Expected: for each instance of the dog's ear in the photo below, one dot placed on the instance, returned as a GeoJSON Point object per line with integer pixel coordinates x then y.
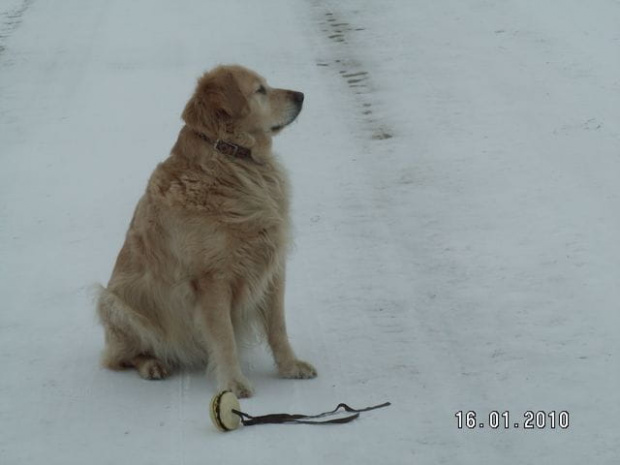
{"type": "Point", "coordinates": [216, 104]}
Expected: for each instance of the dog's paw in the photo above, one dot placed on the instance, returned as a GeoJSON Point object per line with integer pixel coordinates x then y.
{"type": "Point", "coordinates": [152, 369]}
{"type": "Point", "coordinates": [297, 369]}
{"type": "Point", "coordinates": [240, 387]}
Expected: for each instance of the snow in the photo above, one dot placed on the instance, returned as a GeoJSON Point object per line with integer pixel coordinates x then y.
{"type": "Point", "coordinates": [456, 212]}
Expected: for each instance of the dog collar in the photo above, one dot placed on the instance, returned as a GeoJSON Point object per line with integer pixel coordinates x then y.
{"type": "Point", "coordinates": [227, 148]}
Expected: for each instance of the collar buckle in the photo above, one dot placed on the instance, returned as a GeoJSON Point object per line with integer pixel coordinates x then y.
{"type": "Point", "coordinates": [226, 148]}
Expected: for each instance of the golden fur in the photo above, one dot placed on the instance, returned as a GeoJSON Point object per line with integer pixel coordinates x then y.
{"type": "Point", "coordinates": [205, 252]}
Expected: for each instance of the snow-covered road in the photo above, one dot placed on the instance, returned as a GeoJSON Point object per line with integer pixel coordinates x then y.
{"type": "Point", "coordinates": [456, 208]}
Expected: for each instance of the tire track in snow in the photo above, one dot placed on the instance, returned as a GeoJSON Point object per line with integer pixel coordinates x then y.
{"type": "Point", "coordinates": [388, 320]}
{"type": "Point", "coordinates": [388, 311]}
{"type": "Point", "coordinates": [350, 68]}
{"type": "Point", "coordinates": [9, 22]}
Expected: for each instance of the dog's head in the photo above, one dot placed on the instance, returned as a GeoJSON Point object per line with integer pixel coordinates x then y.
{"type": "Point", "coordinates": [232, 100]}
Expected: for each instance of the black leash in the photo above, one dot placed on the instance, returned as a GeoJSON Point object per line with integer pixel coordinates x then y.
{"type": "Point", "coordinates": [249, 420]}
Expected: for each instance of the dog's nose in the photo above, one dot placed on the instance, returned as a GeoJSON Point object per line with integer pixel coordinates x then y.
{"type": "Point", "coordinates": [297, 97]}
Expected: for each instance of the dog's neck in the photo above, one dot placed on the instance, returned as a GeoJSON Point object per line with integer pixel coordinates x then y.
{"type": "Point", "coordinates": [251, 149]}
{"type": "Point", "coordinates": [227, 148]}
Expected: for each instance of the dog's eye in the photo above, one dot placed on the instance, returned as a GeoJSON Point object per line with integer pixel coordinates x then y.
{"type": "Point", "coordinates": [262, 90]}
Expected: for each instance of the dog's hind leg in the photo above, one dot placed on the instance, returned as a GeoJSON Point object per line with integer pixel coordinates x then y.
{"type": "Point", "coordinates": [150, 367]}
{"type": "Point", "coordinates": [121, 353]}
{"type": "Point", "coordinates": [124, 347]}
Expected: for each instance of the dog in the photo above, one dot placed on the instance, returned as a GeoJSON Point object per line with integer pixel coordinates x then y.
{"type": "Point", "coordinates": [204, 257]}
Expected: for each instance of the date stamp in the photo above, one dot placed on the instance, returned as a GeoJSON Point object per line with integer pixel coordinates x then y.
{"type": "Point", "coordinates": [529, 420]}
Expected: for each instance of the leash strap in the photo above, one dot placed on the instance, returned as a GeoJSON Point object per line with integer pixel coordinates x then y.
{"type": "Point", "coordinates": [249, 420]}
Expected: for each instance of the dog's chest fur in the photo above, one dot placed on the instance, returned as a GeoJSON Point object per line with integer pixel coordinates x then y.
{"type": "Point", "coordinates": [228, 218]}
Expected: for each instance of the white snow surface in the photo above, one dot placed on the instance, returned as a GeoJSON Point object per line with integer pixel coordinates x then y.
{"type": "Point", "coordinates": [456, 207]}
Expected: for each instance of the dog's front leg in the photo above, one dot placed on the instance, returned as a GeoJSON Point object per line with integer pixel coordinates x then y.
{"type": "Point", "coordinates": [289, 366]}
{"type": "Point", "coordinates": [214, 301]}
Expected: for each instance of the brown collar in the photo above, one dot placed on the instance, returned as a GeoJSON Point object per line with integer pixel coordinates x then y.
{"type": "Point", "coordinates": [228, 148]}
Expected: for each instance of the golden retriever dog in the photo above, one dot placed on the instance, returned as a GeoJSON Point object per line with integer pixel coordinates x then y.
{"type": "Point", "coordinates": [205, 253]}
